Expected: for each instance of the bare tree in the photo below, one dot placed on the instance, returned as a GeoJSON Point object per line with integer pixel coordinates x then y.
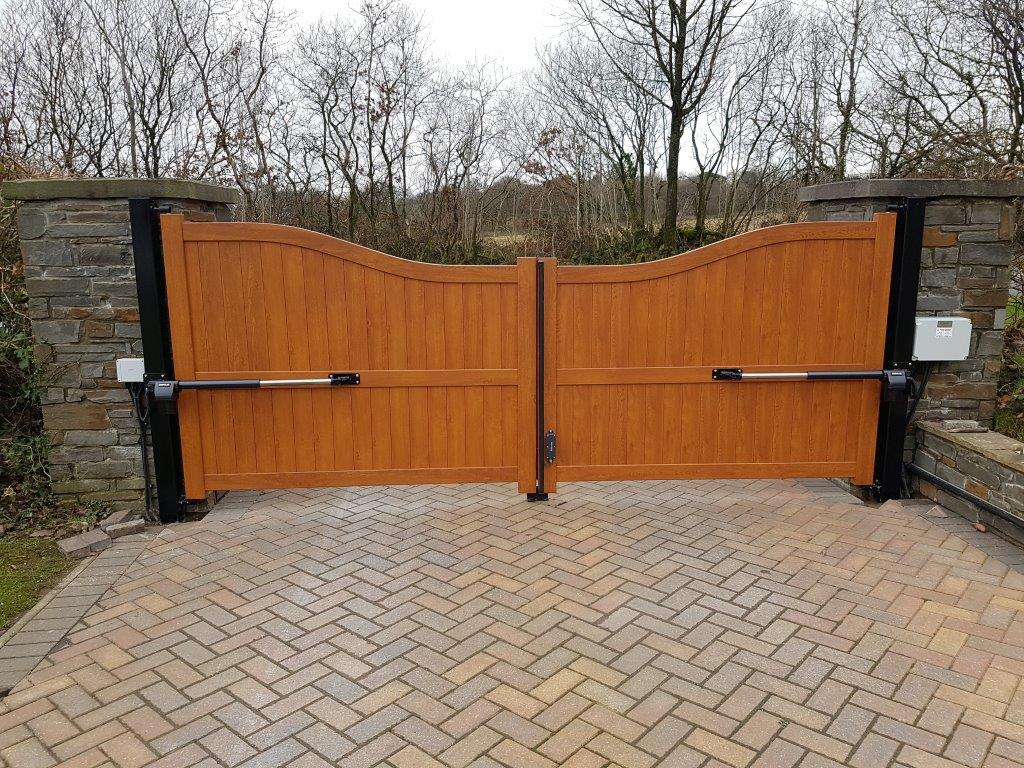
{"type": "Point", "coordinates": [737, 137]}
{"type": "Point", "coordinates": [67, 88]}
{"type": "Point", "coordinates": [350, 126]}
{"type": "Point", "coordinates": [587, 95]}
{"type": "Point", "coordinates": [962, 67]}
{"type": "Point", "coordinates": [235, 59]}
{"type": "Point", "coordinates": [682, 40]}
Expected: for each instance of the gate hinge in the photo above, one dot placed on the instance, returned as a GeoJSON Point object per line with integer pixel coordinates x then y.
{"type": "Point", "coordinates": [550, 445]}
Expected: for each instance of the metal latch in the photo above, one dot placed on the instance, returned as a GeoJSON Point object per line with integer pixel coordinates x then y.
{"type": "Point", "coordinates": [550, 446]}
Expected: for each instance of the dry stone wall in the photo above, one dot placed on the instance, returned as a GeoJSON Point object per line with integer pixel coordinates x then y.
{"type": "Point", "coordinates": [80, 277]}
{"type": "Point", "coordinates": [965, 271]}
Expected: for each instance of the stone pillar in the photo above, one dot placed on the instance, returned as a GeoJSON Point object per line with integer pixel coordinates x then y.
{"type": "Point", "coordinates": [969, 228]}
{"type": "Point", "coordinates": [80, 277]}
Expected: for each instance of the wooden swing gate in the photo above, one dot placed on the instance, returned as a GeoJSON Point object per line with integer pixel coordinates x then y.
{"type": "Point", "coordinates": [302, 360]}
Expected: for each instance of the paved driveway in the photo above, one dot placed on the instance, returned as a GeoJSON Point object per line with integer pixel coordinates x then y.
{"type": "Point", "coordinates": [627, 624]}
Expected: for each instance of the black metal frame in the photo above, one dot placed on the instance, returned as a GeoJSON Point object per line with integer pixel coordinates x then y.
{"type": "Point", "coordinates": [899, 344]}
{"type": "Point", "coordinates": [540, 494]}
{"type": "Point", "coordinates": [166, 439]}
{"type": "Point", "coordinates": [156, 350]}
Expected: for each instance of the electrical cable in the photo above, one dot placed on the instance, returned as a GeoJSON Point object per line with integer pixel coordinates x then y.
{"type": "Point", "coordinates": [919, 389]}
{"type": "Point", "coordinates": [140, 403]}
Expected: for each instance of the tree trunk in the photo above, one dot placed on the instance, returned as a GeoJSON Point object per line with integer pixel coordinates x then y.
{"type": "Point", "coordinates": [668, 228]}
{"type": "Point", "coordinates": [701, 199]}
{"type": "Point", "coordinates": [641, 176]}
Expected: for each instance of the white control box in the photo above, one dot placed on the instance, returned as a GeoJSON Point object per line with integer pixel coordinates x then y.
{"type": "Point", "coordinates": [131, 369]}
{"type": "Point", "coordinates": [942, 338]}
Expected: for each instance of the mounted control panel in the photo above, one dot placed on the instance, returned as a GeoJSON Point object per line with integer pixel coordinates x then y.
{"type": "Point", "coordinates": [131, 370]}
{"type": "Point", "coordinates": [942, 338]}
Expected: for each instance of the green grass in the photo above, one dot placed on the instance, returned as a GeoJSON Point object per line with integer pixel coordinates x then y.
{"type": "Point", "coordinates": [1009, 417]}
{"type": "Point", "coordinates": [28, 568]}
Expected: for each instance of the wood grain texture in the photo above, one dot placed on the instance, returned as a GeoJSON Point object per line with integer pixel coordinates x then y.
{"type": "Point", "coordinates": [448, 359]}
{"type": "Point", "coordinates": [438, 349]}
{"type": "Point", "coordinates": [635, 346]}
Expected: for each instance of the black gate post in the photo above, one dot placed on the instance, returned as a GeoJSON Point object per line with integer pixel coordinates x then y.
{"type": "Point", "coordinates": [899, 344]}
{"type": "Point", "coordinates": [541, 493]}
{"type": "Point", "coordinates": [156, 346]}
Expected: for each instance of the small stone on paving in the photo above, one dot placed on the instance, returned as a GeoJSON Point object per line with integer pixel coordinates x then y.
{"type": "Point", "coordinates": [126, 528]}
{"type": "Point", "coordinates": [116, 517]}
{"type": "Point", "coordinates": [84, 544]}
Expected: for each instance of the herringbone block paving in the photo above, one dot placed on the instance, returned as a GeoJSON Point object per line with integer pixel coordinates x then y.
{"type": "Point", "coordinates": [742, 623]}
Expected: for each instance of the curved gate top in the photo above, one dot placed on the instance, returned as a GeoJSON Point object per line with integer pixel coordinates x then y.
{"type": "Point", "coordinates": [636, 346]}
{"type": "Point", "coordinates": [439, 351]}
{"type": "Point", "coordinates": [303, 360]}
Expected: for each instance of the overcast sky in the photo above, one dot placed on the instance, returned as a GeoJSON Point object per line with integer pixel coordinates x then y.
{"type": "Point", "coordinates": [461, 30]}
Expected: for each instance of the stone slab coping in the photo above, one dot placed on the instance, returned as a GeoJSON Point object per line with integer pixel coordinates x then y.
{"type": "Point", "coordinates": [852, 190]}
{"type": "Point", "coordinates": [101, 189]}
{"type": "Point", "coordinates": [992, 445]}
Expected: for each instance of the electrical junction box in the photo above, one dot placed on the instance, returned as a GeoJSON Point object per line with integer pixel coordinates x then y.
{"type": "Point", "coordinates": [131, 369]}
{"type": "Point", "coordinates": [942, 338]}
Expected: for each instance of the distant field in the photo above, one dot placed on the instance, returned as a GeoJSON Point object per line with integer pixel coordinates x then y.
{"type": "Point", "coordinates": [505, 240]}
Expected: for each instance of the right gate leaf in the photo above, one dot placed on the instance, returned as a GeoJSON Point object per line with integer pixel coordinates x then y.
{"type": "Point", "coordinates": [636, 345]}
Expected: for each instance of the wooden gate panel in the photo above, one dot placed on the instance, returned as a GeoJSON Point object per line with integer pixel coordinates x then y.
{"type": "Point", "coordinates": [636, 346]}
{"type": "Point", "coordinates": [448, 358]}
{"type": "Point", "coordinates": [437, 348]}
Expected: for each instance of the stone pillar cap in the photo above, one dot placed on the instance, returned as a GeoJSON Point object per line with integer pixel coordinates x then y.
{"type": "Point", "coordinates": [100, 189]}
{"type": "Point", "coordinates": [875, 188]}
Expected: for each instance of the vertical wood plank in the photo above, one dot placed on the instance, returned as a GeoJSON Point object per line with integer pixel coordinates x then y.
{"type": "Point", "coordinates": [317, 323]}
{"type": "Point", "coordinates": [180, 315]}
{"type": "Point", "coordinates": [278, 344]}
{"type": "Point", "coordinates": [259, 355]}
{"type": "Point", "coordinates": [416, 320]}
{"type": "Point", "coordinates": [238, 406]}
{"type": "Point", "coordinates": [338, 359]}
{"type": "Point", "coordinates": [293, 268]}
{"type": "Point", "coordinates": [211, 262]}
{"type": "Point", "coordinates": [884, 245]}
{"type": "Point", "coordinates": [397, 358]}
